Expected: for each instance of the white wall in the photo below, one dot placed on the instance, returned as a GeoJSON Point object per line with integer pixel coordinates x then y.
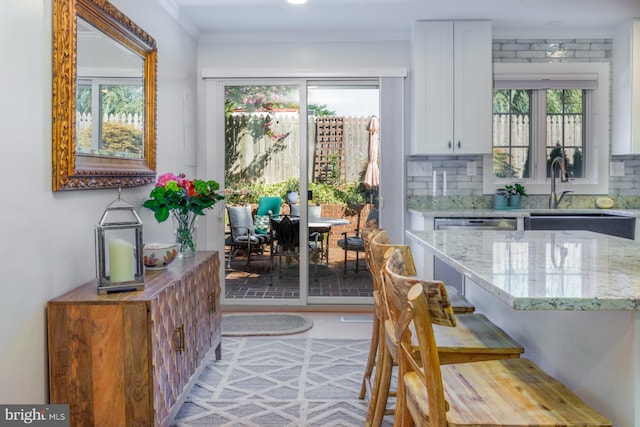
{"type": "Point", "coordinates": [295, 53]}
{"type": "Point", "coordinates": [47, 238]}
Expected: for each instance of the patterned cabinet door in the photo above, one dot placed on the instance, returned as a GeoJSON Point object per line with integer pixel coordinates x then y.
{"type": "Point", "coordinates": [165, 342]}
{"type": "Point", "coordinates": [208, 306]}
{"type": "Point", "coordinates": [189, 313]}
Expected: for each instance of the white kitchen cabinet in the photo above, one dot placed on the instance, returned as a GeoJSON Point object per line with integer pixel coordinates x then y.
{"type": "Point", "coordinates": [453, 86]}
{"type": "Point", "coordinates": [626, 89]}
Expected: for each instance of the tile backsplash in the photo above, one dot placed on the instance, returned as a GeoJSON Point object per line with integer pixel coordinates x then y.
{"type": "Point", "coordinates": [465, 192]}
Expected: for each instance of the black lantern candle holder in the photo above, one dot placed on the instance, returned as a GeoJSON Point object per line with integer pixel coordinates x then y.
{"type": "Point", "coordinates": [119, 257]}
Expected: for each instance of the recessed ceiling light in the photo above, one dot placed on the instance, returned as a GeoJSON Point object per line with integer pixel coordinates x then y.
{"type": "Point", "coordinates": [296, 1]}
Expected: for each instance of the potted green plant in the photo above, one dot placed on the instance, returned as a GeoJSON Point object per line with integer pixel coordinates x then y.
{"type": "Point", "coordinates": [515, 193]}
{"type": "Point", "coordinates": [501, 199]}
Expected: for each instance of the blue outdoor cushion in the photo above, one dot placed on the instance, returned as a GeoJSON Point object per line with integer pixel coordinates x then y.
{"type": "Point", "coordinates": [266, 204]}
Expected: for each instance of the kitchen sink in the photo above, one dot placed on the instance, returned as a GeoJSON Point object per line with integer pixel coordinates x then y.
{"type": "Point", "coordinates": [613, 225]}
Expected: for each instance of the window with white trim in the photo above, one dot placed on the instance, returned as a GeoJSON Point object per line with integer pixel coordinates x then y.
{"type": "Point", "coordinates": [542, 111]}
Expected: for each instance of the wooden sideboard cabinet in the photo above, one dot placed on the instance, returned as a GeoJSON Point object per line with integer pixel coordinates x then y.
{"type": "Point", "coordinates": [127, 359]}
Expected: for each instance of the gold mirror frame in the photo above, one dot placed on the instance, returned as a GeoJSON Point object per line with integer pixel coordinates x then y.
{"type": "Point", "coordinates": [75, 171]}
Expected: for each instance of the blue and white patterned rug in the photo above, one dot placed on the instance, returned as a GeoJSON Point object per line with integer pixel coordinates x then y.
{"type": "Point", "coordinates": [263, 382]}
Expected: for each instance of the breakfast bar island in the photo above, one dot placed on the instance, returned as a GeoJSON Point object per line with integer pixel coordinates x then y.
{"type": "Point", "coordinates": [571, 298]}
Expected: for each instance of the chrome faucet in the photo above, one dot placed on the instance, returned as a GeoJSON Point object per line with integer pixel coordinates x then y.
{"type": "Point", "coordinates": [554, 199]}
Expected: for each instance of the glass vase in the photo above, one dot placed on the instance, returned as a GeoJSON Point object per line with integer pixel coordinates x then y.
{"type": "Point", "coordinates": [185, 229]}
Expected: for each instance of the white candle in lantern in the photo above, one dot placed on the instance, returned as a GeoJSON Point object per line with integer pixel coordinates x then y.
{"type": "Point", "coordinates": [120, 261]}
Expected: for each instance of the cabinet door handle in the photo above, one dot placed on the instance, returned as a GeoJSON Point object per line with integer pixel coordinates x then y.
{"type": "Point", "coordinates": [212, 302]}
{"type": "Point", "coordinates": [449, 145]}
{"type": "Point", "coordinates": [459, 145]}
{"type": "Point", "coordinates": [179, 333]}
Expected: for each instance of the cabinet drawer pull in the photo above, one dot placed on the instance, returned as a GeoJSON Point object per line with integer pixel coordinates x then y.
{"type": "Point", "coordinates": [212, 302]}
{"type": "Point", "coordinates": [179, 333]}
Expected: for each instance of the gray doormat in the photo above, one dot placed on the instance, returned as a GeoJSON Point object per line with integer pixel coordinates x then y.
{"type": "Point", "coordinates": [264, 324]}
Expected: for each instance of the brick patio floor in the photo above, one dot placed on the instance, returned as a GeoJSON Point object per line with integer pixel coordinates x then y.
{"type": "Point", "coordinates": [325, 281]}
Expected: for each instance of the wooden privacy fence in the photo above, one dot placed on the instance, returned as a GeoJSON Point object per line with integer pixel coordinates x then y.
{"type": "Point", "coordinates": [514, 130]}
{"type": "Point", "coordinates": [285, 163]}
{"type": "Point", "coordinates": [84, 120]}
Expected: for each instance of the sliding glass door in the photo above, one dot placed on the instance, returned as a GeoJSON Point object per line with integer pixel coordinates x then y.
{"type": "Point", "coordinates": [262, 150]}
{"type": "Point", "coordinates": [301, 178]}
{"type": "Point", "coordinates": [343, 176]}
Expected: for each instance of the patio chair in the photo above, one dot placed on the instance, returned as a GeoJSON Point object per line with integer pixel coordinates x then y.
{"type": "Point", "coordinates": [353, 241]}
{"type": "Point", "coordinates": [242, 236]}
{"type": "Point", "coordinates": [266, 205]}
{"type": "Point", "coordinates": [318, 236]}
{"type": "Point", "coordinates": [285, 241]}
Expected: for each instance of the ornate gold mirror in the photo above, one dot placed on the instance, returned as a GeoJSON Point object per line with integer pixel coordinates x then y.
{"type": "Point", "coordinates": [104, 98]}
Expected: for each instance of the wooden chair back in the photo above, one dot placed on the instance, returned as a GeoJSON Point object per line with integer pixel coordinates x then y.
{"type": "Point", "coordinates": [421, 303]}
{"type": "Point", "coordinates": [367, 237]}
{"type": "Point", "coordinates": [381, 249]}
{"type": "Point", "coordinates": [419, 309]}
{"type": "Point", "coordinates": [397, 286]}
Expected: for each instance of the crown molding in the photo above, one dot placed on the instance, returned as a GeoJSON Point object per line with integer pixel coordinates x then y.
{"type": "Point", "coordinates": [328, 36]}
{"type": "Point", "coordinates": [176, 13]}
{"type": "Point", "coordinates": [315, 73]}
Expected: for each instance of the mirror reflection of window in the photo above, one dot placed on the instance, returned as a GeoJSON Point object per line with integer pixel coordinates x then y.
{"type": "Point", "coordinates": [119, 107]}
{"type": "Point", "coordinates": [109, 97]}
{"type": "Point", "coordinates": [83, 117]}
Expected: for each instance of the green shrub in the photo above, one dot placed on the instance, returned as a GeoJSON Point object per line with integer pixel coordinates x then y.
{"type": "Point", "coordinates": [247, 192]}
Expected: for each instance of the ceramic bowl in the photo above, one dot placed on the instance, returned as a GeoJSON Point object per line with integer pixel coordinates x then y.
{"type": "Point", "coordinates": [157, 256]}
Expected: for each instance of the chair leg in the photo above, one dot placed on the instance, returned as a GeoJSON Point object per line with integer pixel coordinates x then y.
{"type": "Point", "coordinates": [371, 360]}
{"type": "Point", "coordinates": [357, 261]}
{"type": "Point", "coordinates": [233, 251]}
{"type": "Point", "coordinates": [327, 250]}
{"type": "Point", "coordinates": [271, 259]}
{"type": "Point", "coordinates": [381, 385]}
{"type": "Point", "coordinates": [402, 416]}
{"type": "Point", "coordinates": [344, 272]}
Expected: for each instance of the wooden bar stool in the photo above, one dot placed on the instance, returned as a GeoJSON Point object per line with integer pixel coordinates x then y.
{"type": "Point", "coordinates": [460, 304]}
{"type": "Point", "coordinates": [373, 345]}
{"type": "Point", "coordinates": [507, 392]}
{"type": "Point", "coordinates": [475, 338]}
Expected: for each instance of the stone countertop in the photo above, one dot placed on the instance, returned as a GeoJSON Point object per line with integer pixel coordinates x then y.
{"type": "Point", "coordinates": [519, 213]}
{"type": "Point", "coordinates": [544, 270]}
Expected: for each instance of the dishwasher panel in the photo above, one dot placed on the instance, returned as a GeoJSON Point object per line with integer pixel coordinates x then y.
{"type": "Point", "coordinates": [481, 223]}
